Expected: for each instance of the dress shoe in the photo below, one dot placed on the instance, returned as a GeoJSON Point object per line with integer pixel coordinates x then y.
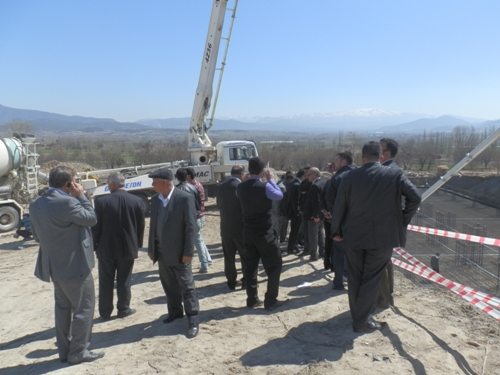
{"type": "Point", "coordinates": [275, 305]}
{"type": "Point", "coordinates": [303, 254]}
{"type": "Point", "coordinates": [192, 331]}
{"type": "Point", "coordinates": [257, 303]}
{"type": "Point", "coordinates": [171, 318]}
{"type": "Point", "coordinates": [231, 286]}
{"type": "Point", "coordinates": [124, 314]}
{"type": "Point", "coordinates": [338, 288]}
{"type": "Point", "coordinates": [90, 358]}
{"type": "Point", "coordinates": [370, 326]}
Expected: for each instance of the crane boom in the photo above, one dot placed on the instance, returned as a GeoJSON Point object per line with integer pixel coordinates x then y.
{"type": "Point", "coordinates": [199, 144]}
{"type": "Point", "coordinates": [462, 163]}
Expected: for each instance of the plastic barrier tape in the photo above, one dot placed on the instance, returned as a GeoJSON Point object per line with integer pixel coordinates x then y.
{"type": "Point", "coordinates": [437, 278]}
{"type": "Point", "coordinates": [455, 287]}
{"type": "Point", "coordinates": [455, 235]}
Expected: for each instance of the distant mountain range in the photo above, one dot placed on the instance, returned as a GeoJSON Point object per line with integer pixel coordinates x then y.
{"type": "Point", "coordinates": [362, 120]}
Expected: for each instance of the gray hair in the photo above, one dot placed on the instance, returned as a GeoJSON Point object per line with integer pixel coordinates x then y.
{"type": "Point", "coordinates": [117, 178]}
{"type": "Point", "coordinates": [315, 171]}
{"type": "Point", "coordinates": [59, 176]}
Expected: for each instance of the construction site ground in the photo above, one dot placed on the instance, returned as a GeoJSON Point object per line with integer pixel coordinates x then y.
{"type": "Point", "coordinates": [430, 331]}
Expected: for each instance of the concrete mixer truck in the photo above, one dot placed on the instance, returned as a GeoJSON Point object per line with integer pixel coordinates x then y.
{"type": "Point", "coordinates": [19, 177]}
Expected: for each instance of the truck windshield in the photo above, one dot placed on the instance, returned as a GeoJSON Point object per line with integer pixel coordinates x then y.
{"type": "Point", "coordinates": [242, 153]}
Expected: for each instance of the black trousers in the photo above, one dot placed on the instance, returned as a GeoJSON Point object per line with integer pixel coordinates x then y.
{"type": "Point", "coordinates": [386, 298]}
{"type": "Point", "coordinates": [338, 263]}
{"type": "Point", "coordinates": [304, 229]}
{"type": "Point", "coordinates": [365, 271]}
{"type": "Point", "coordinates": [24, 233]}
{"type": "Point", "coordinates": [283, 227]}
{"type": "Point", "coordinates": [328, 259]}
{"type": "Point", "coordinates": [108, 270]}
{"type": "Point", "coordinates": [262, 246]}
{"type": "Point", "coordinates": [293, 237]}
{"type": "Point", "coordinates": [231, 246]}
{"type": "Point", "coordinates": [178, 284]}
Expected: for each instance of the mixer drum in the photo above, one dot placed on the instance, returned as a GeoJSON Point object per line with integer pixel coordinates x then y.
{"type": "Point", "coordinates": [11, 154]}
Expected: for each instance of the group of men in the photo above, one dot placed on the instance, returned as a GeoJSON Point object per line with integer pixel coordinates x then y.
{"type": "Point", "coordinates": [360, 209]}
{"type": "Point", "coordinates": [363, 212]}
{"type": "Point", "coordinates": [69, 230]}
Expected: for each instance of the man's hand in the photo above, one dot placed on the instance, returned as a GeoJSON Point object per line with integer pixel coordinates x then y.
{"type": "Point", "coordinates": [268, 175]}
{"type": "Point", "coordinates": [186, 259]}
{"type": "Point", "coordinates": [150, 256]}
{"type": "Point", "coordinates": [316, 219]}
{"type": "Point", "coordinates": [75, 189]}
{"type": "Point", "coordinates": [326, 214]}
{"type": "Point", "coordinates": [337, 239]}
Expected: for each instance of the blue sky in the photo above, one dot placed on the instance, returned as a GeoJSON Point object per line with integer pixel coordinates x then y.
{"type": "Point", "coordinates": [130, 60]}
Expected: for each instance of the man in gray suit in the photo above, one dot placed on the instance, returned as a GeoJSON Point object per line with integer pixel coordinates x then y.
{"type": "Point", "coordinates": [172, 233]}
{"type": "Point", "coordinates": [61, 221]}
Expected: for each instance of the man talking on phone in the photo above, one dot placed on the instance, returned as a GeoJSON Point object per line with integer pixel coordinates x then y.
{"type": "Point", "coordinates": [61, 221]}
{"type": "Point", "coordinates": [259, 237]}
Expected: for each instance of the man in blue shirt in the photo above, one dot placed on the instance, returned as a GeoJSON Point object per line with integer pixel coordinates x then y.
{"type": "Point", "coordinates": [25, 233]}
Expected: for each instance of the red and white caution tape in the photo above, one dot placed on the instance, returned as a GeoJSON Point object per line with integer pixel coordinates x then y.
{"type": "Point", "coordinates": [453, 286]}
{"type": "Point", "coordinates": [439, 279]}
{"type": "Point", "coordinates": [456, 235]}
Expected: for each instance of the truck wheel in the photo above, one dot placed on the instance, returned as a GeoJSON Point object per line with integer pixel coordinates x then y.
{"type": "Point", "coordinates": [9, 218]}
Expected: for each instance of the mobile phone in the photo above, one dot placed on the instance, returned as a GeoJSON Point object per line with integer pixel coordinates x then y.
{"type": "Point", "coordinates": [68, 185]}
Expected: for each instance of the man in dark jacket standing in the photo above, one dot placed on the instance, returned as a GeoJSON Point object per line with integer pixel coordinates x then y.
{"type": "Point", "coordinates": [343, 164]}
{"type": "Point", "coordinates": [231, 226]}
{"type": "Point", "coordinates": [118, 236]}
{"type": "Point", "coordinates": [293, 213]}
{"type": "Point", "coordinates": [368, 217]}
{"type": "Point", "coordinates": [385, 299]}
{"type": "Point", "coordinates": [312, 212]}
{"type": "Point", "coordinates": [172, 234]}
{"type": "Point", "coordinates": [182, 176]}
{"type": "Point", "coordinates": [260, 239]}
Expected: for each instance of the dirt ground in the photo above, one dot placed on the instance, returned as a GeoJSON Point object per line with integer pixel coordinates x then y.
{"type": "Point", "coordinates": [431, 331]}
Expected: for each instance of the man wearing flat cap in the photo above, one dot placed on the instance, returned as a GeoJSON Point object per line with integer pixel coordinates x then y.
{"type": "Point", "coordinates": [172, 234]}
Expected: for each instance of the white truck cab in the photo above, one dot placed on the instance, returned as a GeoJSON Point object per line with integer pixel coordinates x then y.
{"type": "Point", "coordinates": [235, 152]}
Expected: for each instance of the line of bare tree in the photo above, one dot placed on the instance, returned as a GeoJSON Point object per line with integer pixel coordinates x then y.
{"type": "Point", "coordinates": [417, 152]}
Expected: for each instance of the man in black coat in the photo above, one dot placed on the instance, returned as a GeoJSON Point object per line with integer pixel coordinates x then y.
{"type": "Point", "coordinates": [368, 217]}
{"type": "Point", "coordinates": [305, 184]}
{"type": "Point", "coordinates": [260, 239]}
{"type": "Point", "coordinates": [312, 214]}
{"type": "Point", "coordinates": [343, 164]}
{"type": "Point", "coordinates": [385, 299]}
{"type": "Point", "coordinates": [231, 226]}
{"type": "Point", "coordinates": [182, 176]}
{"type": "Point", "coordinates": [172, 234]}
{"type": "Point", "coordinates": [118, 236]}
{"type": "Point", "coordinates": [389, 151]}
{"type": "Point", "coordinates": [293, 212]}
